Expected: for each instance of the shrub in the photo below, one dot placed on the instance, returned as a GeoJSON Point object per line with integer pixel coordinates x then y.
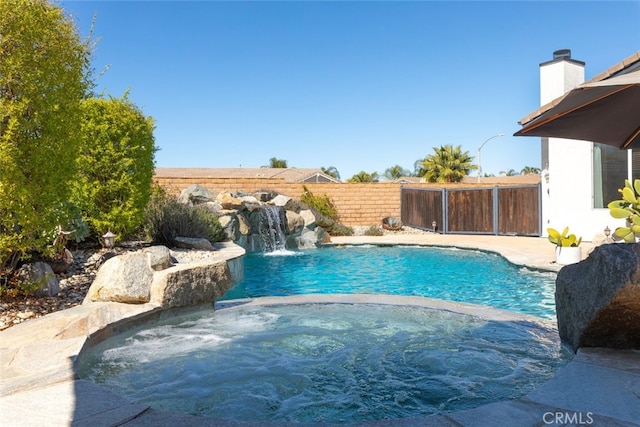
{"type": "Point", "coordinates": [323, 204]}
{"type": "Point", "coordinates": [166, 218]}
{"type": "Point", "coordinates": [326, 213]}
{"type": "Point", "coordinates": [115, 166]}
{"type": "Point", "coordinates": [334, 228]}
{"type": "Point", "coordinates": [340, 230]}
{"type": "Point", "coordinates": [374, 230]}
{"type": "Point", "coordinates": [44, 75]}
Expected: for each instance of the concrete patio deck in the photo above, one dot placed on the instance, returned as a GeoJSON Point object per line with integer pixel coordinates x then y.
{"type": "Point", "coordinates": [38, 386]}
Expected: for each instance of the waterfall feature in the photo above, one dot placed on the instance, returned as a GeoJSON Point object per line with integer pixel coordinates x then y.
{"type": "Point", "coordinates": [271, 228]}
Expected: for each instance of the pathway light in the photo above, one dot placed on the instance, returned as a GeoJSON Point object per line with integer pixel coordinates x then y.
{"type": "Point", "coordinates": [109, 239]}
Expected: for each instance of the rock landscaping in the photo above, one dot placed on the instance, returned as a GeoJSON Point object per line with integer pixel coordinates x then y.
{"type": "Point", "coordinates": [253, 221]}
{"type": "Point", "coordinates": [73, 286]}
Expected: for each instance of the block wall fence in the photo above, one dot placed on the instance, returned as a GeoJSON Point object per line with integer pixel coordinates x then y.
{"type": "Point", "coordinates": [357, 203]}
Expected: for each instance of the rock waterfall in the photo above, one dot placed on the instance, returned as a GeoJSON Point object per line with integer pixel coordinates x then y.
{"type": "Point", "coordinates": [271, 228]}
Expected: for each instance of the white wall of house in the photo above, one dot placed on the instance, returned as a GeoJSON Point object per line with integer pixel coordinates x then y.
{"type": "Point", "coordinates": [567, 179]}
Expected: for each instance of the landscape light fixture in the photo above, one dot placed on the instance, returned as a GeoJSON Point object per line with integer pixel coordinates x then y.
{"type": "Point", "coordinates": [480, 148]}
{"type": "Point", "coordinates": [109, 239]}
{"type": "Point", "coordinates": [434, 225]}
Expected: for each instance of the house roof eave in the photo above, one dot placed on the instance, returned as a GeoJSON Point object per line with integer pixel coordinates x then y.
{"type": "Point", "coordinates": [630, 63]}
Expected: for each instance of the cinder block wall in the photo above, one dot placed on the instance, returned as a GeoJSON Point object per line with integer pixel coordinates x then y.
{"type": "Point", "coordinates": [357, 203]}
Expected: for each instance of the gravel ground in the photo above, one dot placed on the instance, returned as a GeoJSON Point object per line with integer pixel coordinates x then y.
{"type": "Point", "coordinates": [75, 283]}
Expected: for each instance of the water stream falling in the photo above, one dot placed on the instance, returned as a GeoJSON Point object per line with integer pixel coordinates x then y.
{"type": "Point", "coordinates": [271, 228]}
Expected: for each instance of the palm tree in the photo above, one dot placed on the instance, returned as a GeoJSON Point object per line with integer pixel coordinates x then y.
{"type": "Point", "coordinates": [331, 171]}
{"type": "Point", "coordinates": [527, 170]}
{"type": "Point", "coordinates": [418, 168]}
{"type": "Point", "coordinates": [395, 172]}
{"type": "Point", "coordinates": [510, 172]}
{"type": "Point", "coordinates": [447, 164]}
{"type": "Point", "coordinates": [276, 163]}
{"type": "Point", "coordinates": [363, 176]}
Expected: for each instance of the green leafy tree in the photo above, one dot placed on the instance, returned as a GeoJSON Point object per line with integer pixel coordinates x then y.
{"type": "Point", "coordinates": [115, 165]}
{"type": "Point", "coordinates": [395, 172]}
{"type": "Point", "coordinates": [276, 163]}
{"type": "Point", "coordinates": [331, 171]}
{"type": "Point", "coordinates": [447, 164]}
{"type": "Point", "coordinates": [44, 75]}
{"type": "Point", "coordinates": [363, 176]}
{"type": "Point", "coordinates": [528, 170]}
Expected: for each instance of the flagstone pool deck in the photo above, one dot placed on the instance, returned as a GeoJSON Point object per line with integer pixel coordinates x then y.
{"type": "Point", "coordinates": [38, 386]}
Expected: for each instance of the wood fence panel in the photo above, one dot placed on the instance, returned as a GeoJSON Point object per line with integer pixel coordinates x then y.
{"type": "Point", "coordinates": [519, 210]}
{"type": "Point", "coordinates": [420, 207]}
{"type": "Point", "coordinates": [470, 211]}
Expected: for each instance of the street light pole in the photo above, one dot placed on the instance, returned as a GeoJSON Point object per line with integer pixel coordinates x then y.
{"type": "Point", "coordinates": [480, 148]}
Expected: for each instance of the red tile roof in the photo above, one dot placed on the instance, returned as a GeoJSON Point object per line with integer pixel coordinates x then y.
{"type": "Point", "coordinates": [286, 174]}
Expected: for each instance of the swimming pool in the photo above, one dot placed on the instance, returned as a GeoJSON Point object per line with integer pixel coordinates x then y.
{"type": "Point", "coordinates": [461, 275]}
{"type": "Point", "coordinates": [339, 358]}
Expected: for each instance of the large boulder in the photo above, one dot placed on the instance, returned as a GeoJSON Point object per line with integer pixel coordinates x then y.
{"type": "Point", "coordinates": [308, 239]}
{"type": "Point", "coordinates": [229, 223]}
{"type": "Point", "coordinates": [159, 257]}
{"type": "Point", "coordinates": [280, 200]}
{"type": "Point", "coordinates": [309, 218]}
{"type": "Point", "coordinates": [264, 196]}
{"type": "Point", "coordinates": [39, 275]}
{"type": "Point", "coordinates": [195, 283]}
{"type": "Point", "coordinates": [124, 278]}
{"type": "Point", "coordinates": [138, 277]}
{"type": "Point", "coordinates": [295, 223]}
{"type": "Point", "coordinates": [250, 201]}
{"type": "Point", "coordinates": [197, 243]}
{"type": "Point", "coordinates": [228, 201]}
{"type": "Point", "coordinates": [195, 194]}
{"type": "Point", "coordinates": [598, 299]}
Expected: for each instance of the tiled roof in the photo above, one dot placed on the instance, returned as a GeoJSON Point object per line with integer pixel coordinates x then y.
{"type": "Point", "coordinates": [409, 179]}
{"type": "Point", "coordinates": [286, 174]}
{"type": "Point", "coordinates": [628, 64]}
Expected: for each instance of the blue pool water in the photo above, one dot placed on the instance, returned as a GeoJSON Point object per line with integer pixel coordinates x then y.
{"type": "Point", "coordinates": [444, 273]}
{"type": "Point", "coordinates": [261, 361]}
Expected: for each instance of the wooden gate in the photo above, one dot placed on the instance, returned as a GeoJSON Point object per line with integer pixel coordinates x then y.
{"type": "Point", "coordinates": [420, 207]}
{"type": "Point", "coordinates": [503, 210]}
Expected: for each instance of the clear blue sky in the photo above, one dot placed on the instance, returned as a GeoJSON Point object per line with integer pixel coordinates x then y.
{"type": "Point", "coordinates": [355, 85]}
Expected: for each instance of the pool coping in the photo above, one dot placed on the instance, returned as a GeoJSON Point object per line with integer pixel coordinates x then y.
{"type": "Point", "coordinates": [39, 386]}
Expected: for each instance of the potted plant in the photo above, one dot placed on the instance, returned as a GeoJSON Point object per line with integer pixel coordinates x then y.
{"type": "Point", "coordinates": [568, 249]}
{"type": "Point", "coordinates": [628, 208]}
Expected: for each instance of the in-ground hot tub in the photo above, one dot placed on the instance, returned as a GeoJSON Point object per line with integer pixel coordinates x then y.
{"type": "Point", "coordinates": [329, 358]}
